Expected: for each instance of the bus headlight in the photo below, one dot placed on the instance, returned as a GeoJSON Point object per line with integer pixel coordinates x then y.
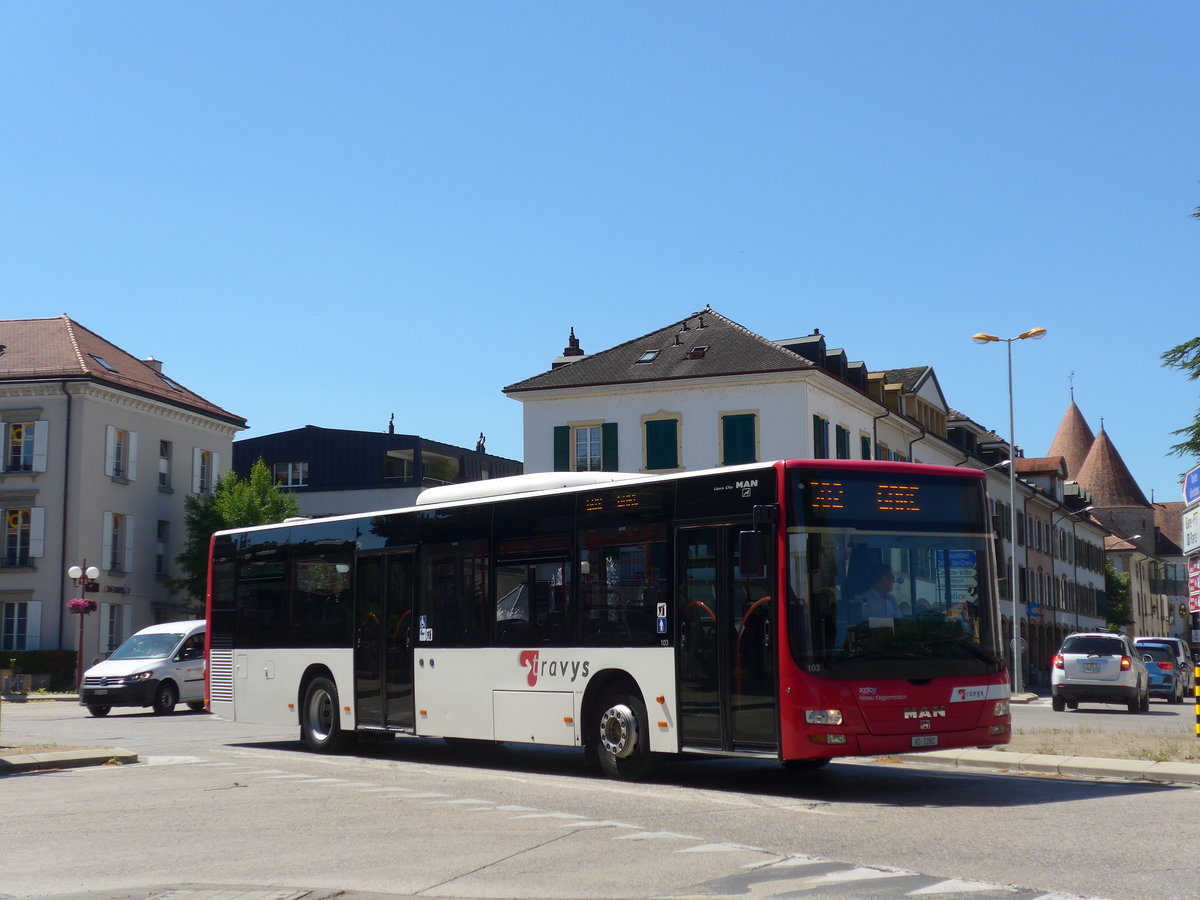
{"type": "Point", "coordinates": [1002, 708]}
{"type": "Point", "coordinates": [823, 716]}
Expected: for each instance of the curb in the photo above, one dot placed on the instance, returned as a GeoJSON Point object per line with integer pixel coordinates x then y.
{"type": "Point", "coordinates": [1074, 766]}
{"type": "Point", "coordinates": [49, 760]}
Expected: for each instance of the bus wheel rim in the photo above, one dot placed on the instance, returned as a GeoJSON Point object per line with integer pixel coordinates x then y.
{"type": "Point", "coordinates": [618, 731]}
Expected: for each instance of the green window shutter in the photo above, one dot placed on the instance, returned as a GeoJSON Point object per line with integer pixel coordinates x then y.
{"type": "Point", "coordinates": [662, 444]}
{"type": "Point", "coordinates": [737, 434]}
{"type": "Point", "coordinates": [608, 447]}
{"type": "Point", "coordinates": [820, 438]}
{"type": "Point", "coordinates": [843, 443]}
{"type": "Point", "coordinates": [864, 447]}
{"type": "Point", "coordinates": [562, 448]}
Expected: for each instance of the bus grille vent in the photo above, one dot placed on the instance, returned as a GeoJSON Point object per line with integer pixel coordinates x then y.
{"type": "Point", "coordinates": [220, 674]}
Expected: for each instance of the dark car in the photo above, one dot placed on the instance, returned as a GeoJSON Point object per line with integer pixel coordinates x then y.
{"type": "Point", "coordinates": [1162, 667]}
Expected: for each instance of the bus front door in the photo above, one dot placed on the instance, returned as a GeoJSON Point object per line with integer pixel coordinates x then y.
{"type": "Point", "coordinates": [383, 668]}
{"type": "Point", "coordinates": [727, 672]}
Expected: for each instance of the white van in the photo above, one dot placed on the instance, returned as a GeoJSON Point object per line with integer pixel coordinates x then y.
{"type": "Point", "coordinates": [159, 667]}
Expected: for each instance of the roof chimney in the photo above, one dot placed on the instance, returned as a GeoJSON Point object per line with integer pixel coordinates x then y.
{"type": "Point", "coordinates": [572, 348]}
{"type": "Point", "coordinates": [155, 364]}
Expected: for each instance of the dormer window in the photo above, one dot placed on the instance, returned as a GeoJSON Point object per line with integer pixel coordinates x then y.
{"type": "Point", "coordinates": [698, 352]}
{"type": "Point", "coordinates": [647, 357]}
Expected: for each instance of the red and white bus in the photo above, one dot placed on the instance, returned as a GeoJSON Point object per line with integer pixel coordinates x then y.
{"type": "Point", "coordinates": [798, 610]}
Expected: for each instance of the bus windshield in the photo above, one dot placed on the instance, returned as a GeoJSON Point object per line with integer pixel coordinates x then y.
{"type": "Point", "coordinates": [888, 578]}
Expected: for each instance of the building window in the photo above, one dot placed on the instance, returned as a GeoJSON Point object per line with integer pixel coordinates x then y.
{"type": "Point", "coordinates": [15, 635]}
{"type": "Point", "coordinates": [18, 447]}
{"type": "Point", "coordinates": [205, 465]}
{"type": "Point", "coordinates": [18, 525]}
{"type": "Point", "coordinates": [843, 442]}
{"type": "Point", "coordinates": [164, 464]}
{"type": "Point", "coordinates": [585, 447]}
{"type": "Point", "coordinates": [291, 474]}
{"type": "Point", "coordinates": [739, 438]}
{"type": "Point", "coordinates": [661, 441]}
{"type": "Point", "coordinates": [162, 546]}
{"type": "Point", "coordinates": [118, 542]}
{"type": "Point", "coordinates": [820, 438]}
{"type": "Point", "coordinates": [120, 453]}
{"type": "Point", "coordinates": [113, 622]}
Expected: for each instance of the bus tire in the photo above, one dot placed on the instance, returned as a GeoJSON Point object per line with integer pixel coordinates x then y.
{"type": "Point", "coordinates": [320, 722]}
{"type": "Point", "coordinates": [623, 737]}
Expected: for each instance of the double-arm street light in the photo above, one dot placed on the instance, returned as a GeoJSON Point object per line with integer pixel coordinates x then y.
{"type": "Point", "coordinates": [984, 338]}
{"type": "Point", "coordinates": [85, 579]}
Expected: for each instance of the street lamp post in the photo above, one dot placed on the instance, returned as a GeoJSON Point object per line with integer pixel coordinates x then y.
{"type": "Point", "coordinates": [85, 579]}
{"type": "Point", "coordinates": [983, 338]}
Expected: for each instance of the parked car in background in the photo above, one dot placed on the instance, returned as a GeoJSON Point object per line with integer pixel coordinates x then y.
{"type": "Point", "coordinates": [1185, 663]}
{"type": "Point", "coordinates": [159, 666]}
{"type": "Point", "coordinates": [1161, 667]}
{"type": "Point", "coordinates": [1099, 667]}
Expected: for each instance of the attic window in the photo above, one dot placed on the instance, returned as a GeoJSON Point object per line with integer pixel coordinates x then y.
{"type": "Point", "coordinates": [647, 357]}
{"type": "Point", "coordinates": [104, 362]}
{"type": "Point", "coordinates": [698, 352]}
{"type": "Point", "coordinates": [169, 382]}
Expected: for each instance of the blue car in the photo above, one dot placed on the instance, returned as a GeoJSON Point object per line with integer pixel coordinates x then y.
{"type": "Point", "coordinates": [1160, 665]}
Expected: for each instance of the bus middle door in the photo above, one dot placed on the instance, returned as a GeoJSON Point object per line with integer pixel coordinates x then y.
{"type": "Point", "coordinates": [727, 672]}
{"type": "Point", "coordinates": [383, 658]}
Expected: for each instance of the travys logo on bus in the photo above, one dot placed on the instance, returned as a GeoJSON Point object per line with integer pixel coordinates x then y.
{"type": "Point", "coordinates": [570, 669]}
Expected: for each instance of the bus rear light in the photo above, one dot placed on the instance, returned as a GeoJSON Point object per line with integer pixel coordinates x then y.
{"type": "Point", "coordinates": [827, 738]}
{"type": "Point", "coordinates": [1002, 708]}
{"type": "Point", "coordinates": [823, 716]}
{"type": "Point", "coordinates": [1000, 729]}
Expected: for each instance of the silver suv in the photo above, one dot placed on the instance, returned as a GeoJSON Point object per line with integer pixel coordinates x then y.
{"type": "Point", "coordinates": [1099, 667]}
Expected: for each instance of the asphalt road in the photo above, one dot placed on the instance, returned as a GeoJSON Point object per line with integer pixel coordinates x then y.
{"type": "Point", "coordinates": [215, 804]}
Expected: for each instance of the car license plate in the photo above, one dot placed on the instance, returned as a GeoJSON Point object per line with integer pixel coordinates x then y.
{"type": "Point", "coordinates": [924, 740]}
{"type": "Point", "coordinates": [100, 691]}
{"type": "Point", "coordinates": [1091, 667]}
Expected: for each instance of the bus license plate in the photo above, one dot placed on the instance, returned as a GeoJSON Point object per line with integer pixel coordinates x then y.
{"type": "Point", "coordinates": [924, 740]}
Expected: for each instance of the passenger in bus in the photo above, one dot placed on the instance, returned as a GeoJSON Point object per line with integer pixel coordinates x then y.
{"type": "Point", "coordinates": [878, 598]}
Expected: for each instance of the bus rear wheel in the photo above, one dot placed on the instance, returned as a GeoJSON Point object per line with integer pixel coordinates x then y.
{"type": "Point", "coordinates": [623, 737]}
{"type": "Point", "coordinates": [320, 721]}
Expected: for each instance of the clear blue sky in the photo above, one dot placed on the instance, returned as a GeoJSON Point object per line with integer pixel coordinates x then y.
{"type": "Point", "coordinates": [326, 213]}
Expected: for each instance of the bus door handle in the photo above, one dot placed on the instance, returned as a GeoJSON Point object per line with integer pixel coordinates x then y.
{"type": "Point", "coordinates": [767, 635]}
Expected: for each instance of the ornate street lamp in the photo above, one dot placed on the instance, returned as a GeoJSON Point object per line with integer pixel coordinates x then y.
{"type": "Point", "coordinates": [85, 579]}
{"type": "Point", "coordinates": [983, 338]}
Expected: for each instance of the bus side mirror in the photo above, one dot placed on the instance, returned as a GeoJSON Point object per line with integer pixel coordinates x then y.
{"type": "Point", "coordinates": [751, 554]}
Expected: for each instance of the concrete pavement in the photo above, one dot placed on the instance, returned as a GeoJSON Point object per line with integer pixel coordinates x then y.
{"type": "Point", "coordinates": [977, 760]}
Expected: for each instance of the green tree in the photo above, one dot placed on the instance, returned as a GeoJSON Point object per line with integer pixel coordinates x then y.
{"type": "Point", "coordinates": [1116, 585]}
{"type": "Point", "coordinates": [1186, 357]}
{"type": "Point", "coordinates": [234, 503]}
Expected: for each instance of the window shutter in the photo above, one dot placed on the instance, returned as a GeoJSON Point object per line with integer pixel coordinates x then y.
{"type": "Point", "coordinates": [41, 438]}
{"type": "Point", "coordinates": [196, 451]}
{"type": "Point", "coordinates": [608, 447]}
{"type": "Point", "coordinates": [662, 444]}
{"type": "Point", "coordinates": [216, 470]}
{"type": "Point", "coordinates": [33, 625]}
{"type": "Point", "coordinates": [864, 448]}
{"type": "Point", "coordinates": [37, 531]}
{"type": "Point", "coordinates": [104, 633]}
{"type": "Point", "coordinates": [128, 561]}
{"type": "Point", "coordinates": [562, 448]}
{"type": "Point", "coordinates": [131, 474]}
{"type": "Point", "coordinates": [126, 620]}
{"type": "Point", "coordinates": [110, 450]}
{"type": "Point", "coordinates": [106, 542]}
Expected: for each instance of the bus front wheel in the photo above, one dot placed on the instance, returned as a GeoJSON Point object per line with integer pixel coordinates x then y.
{"type": "Point", "coordinates": [623, 737]}
{"type": "Point", "coordinates": [320, 721]}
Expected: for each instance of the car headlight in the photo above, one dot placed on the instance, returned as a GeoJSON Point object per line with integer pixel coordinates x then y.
{"type": "Point", "coordinates": [140, 676]}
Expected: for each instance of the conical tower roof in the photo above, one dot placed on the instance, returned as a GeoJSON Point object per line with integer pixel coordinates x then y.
{"type": "Point", "coordinates": [1073, 441]}
{"type": "Point", "coordinates": [1107, 477]}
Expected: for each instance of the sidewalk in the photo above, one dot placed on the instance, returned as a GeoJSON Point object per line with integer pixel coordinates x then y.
{"type": "Point", "coordinates": [1000, 761]}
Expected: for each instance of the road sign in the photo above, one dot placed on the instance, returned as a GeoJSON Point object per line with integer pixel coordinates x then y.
{"type": "Point", "coordinates": [1035, 610]}
{"type": "Point", "coordinates": [1191, 486]}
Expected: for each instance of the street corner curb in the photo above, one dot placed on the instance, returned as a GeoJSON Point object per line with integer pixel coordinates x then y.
{"type": "Point", "coordinates": [49, 760]}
